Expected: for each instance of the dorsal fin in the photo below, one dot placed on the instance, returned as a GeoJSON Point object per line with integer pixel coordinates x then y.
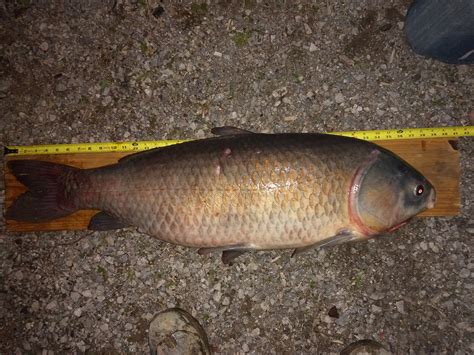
{"type": "Point", "coordinates": [229, 131]}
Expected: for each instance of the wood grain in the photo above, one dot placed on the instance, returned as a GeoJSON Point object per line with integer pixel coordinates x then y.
{"type": "Point", "coordinates": [436, 159]}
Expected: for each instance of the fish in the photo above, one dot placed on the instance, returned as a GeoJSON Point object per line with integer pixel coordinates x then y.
{"type": "Point", "coordinates": [236, 192]}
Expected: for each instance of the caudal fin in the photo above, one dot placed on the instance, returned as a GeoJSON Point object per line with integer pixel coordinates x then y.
{"type": "Point", "coordinates": [49, 191]}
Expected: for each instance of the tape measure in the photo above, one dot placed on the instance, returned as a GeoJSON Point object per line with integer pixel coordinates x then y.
{"type": "Point", "coordinates": [375, 135]}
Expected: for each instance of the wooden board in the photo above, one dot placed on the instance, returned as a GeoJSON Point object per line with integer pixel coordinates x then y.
{"type": "Point", "coordinates": [437, 159]}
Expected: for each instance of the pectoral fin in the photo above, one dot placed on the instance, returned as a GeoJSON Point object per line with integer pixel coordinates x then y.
{"type": "Point", "coordinates": [340, 238]}
{"type": "Point", "coordinates": [103, 221]}
{"type": "Point", "coordinates": [229, 131]}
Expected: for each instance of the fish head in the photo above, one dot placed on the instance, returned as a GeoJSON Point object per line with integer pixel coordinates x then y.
{"type": "Point", "coordinates": [386, 192]}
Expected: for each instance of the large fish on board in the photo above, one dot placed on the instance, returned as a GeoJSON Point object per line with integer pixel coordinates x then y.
{"type": "Point", "coordinates": [236, 192]}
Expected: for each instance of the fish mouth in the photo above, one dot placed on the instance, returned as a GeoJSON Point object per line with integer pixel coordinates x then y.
{"type": "Point", "coordinates": [431, 199]}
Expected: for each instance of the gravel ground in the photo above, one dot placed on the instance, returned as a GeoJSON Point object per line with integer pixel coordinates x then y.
{"type": "Point", "coordinates": [122, 70]}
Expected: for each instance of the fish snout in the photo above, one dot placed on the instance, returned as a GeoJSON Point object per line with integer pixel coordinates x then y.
{"type": "Point", "coordinates": [431, 199]}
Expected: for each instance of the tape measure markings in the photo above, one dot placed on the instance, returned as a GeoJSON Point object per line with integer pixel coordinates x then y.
{"type": "Point", "coordinates": [374, 135]}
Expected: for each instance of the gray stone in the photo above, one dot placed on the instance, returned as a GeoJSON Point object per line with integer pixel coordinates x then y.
{"type": "Point", "coordinates": [339, 98]}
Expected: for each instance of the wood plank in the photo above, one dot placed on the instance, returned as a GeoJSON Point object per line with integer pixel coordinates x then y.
{"type": "Point", "coordinates": [437, 159]}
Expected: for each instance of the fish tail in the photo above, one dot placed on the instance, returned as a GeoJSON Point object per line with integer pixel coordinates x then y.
{"type": "Point", "coordinates": [51, 190]}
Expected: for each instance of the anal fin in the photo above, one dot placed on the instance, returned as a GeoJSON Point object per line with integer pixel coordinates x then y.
{"type": "Point", "coordinates": [340, 238]}
{"type": "Point", "coordinates": [229, 253]}
{"type": "Point", "coordinates": [103, 221]}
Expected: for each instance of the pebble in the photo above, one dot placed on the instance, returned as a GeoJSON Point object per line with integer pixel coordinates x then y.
{"type": "Point", "coordinates": [35, 306]}
{"type": "Point", "coordinates": [19, 275]}
{"type": "Point", "coordinates": [256, 332]}
{"type": "Point", "coordinates": [339, 98]}
{"type": "Point", "coordinates": [108, 99]}
{"type": "Point", "coordinates": [78, 312]}
{"type": "Point", "coordinates": [226, 301]}
{"type": "Point", "coordinates": [61, 87]}
{"type": "Point", "coordinates": [424, 246]}
{"type": "Point", "coordinates": [376, 309]}
{"type": "Point", "coordinates": [5, 85]}
{"type": "Point", "coordinates": [464, 273]}
{"type": "Point", "coordinates": [87, 293]}
{"type": "Point", "coordinates": [400, 306]}
{"type": "Point", "coordinates": [51, 305]}
{"type": "Point", "coordinates": [313, 48]}
{"type": "Point", "coordinates": [470, 230]}
{"type": "Point", "coordinates": [75, 296]}
{"type": "Point", "coordinates": [119, 299]}
{"type": "Point", "coordinates": [128, 326]}
{"type": "Point", "coordinates": [217, 296]}
{"type": "Point", "coordinates": [44, 46]}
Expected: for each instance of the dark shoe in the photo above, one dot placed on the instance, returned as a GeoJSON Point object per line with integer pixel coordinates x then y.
{"type": "Point", "coordinates": [442, 29]}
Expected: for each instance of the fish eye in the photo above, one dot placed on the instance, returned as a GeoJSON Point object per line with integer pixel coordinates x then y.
{"type": "Point", "coordinates": [419, 189]}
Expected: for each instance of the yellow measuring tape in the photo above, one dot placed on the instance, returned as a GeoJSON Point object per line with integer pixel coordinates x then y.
{"type": "Point", "coordinates": [375, 135]}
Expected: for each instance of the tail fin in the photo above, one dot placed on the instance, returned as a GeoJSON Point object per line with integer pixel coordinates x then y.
{"type": "Point", "coordinates": [49, 189]}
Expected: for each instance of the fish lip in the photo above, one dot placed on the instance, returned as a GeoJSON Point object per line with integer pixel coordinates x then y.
{"type": "Point", "coordinates": [432, 198]}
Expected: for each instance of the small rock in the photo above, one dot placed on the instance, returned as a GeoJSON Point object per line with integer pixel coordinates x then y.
{"type": "Point", "coordinates": [280, 93]}
{"type": "Point", "coordinates": [119, 299]}
{"type": "Point", "coordinates": [226, 301]}
{"type": "Point", "coordinates": [400, 306]}
{"type": "Point", "coordinates": [78, 312]}
{"type": "Point", "coordinates": [19, 275]}
{"type": "Point", "coordinates": [464, 273]}
{"type": "Point", "coordinates": [307, 29]}
{"type": "Point", "coordinates": [107, 100]}
{"type": "Point", "coordinates": [218, 54]}
{"type": "Point", "coordinates": [44, 46]}
{"type": "Point", "coordinates": [424, 246]}
{"type": "Point", "coordinates": [256, 332]}
{"type": "Point", "coordinates": [245, 348]}
{"type": "Point", "coordinates": [35, 306]}
{"type": "Point", "coordinates": [5, 85]}
{"type": "Point", "coordinates": [333, 312]}
{"type": "Point", "coordinates": [289, 118]}
{"type": "Point", "coordinates": [75, 296]}
{"type": "Point", "coordinates": [217, 296]}
{"type": "Point", "coordinates": [313, 48]}
{"type": "Point", "coordinates": [376, 309]}
{"type": "Point", "coordinates": [128, 326]}
{"type": "Point", "coordinates": [470, 230]}
{"type": "Point", "coordinates": [104, 327]}
{"type": "Point", "coordinates": [51, 305]}
{"type": "Point", "coordinates": [339, 98]}
{"type": "Point", "coordinates": [61, 87]}
{"type": "Point", "coordinates": [286, 100]}
{"type": "Point", "coordinates": [87, 293]}
{"type": "Point", "coordinates": [158, 11]}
